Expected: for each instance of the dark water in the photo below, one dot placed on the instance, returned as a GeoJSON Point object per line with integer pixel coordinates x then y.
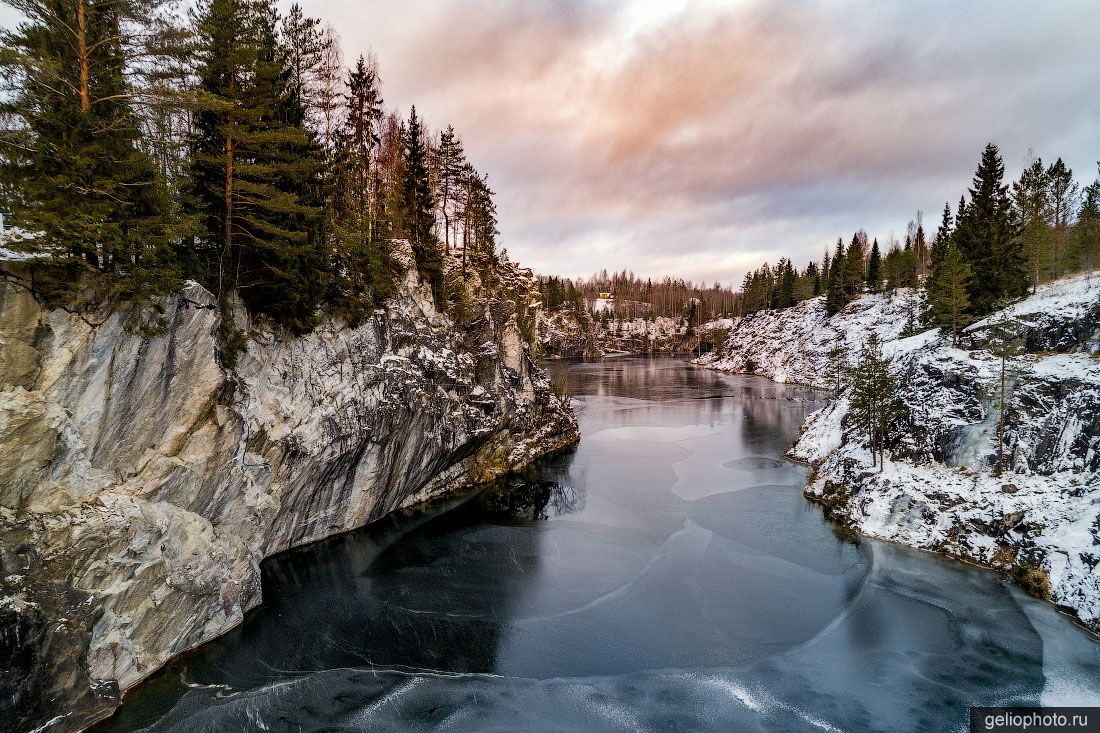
{"type": "Point", "coordinates": [666, 575]}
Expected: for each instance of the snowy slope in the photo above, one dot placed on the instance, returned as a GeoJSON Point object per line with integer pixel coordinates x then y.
{"type": "Point", "coordinates": [1039, 520]}
{"type": "Point", "coordinates": [791, 345]}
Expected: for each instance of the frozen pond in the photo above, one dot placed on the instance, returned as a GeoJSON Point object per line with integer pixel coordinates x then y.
{"type": "Point", "coordinates": [668, 574]}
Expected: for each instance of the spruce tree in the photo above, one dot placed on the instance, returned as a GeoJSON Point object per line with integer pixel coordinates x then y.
{"type": "Point", "coordinates": [1064, 195]}
{"type": "Point", "coordinates": [854, 266]}
{"type": "Point", "coordinates": [873, 400]}
{"type": "Point", "coordinates": [305, 45]}
{"type": "Point", "coordinates": [939, 246]}
{"type": "Point", "coordinates": [813, 277]}
{"type": "Point", "coordinates": [921, 255]}
{"type": "Point", "coordinates": [834, 296]}
{"type": "Point", "coordinates": [283, 267]}
{"type": "Point", "coordinates": [416, 209]}
{"type": "Point", "coordinates": [1031, 198]}
{"type": "Point", "coordinates": [947, 225]}
{"type": "Point", "coordinates": [985, 233]}
{"type": "Point", "coordinates": [784, 277]}
{"type": "Point", "coordinates": [948, 295]}
{"type": "Point", "coordinates": [361, 263]}
{"type": "Point", "coordinates": [908, 264]}
{"type": "Point", "coordinates": [874, 268]}
{"type": "Point", "coordinates": [1085, 253]}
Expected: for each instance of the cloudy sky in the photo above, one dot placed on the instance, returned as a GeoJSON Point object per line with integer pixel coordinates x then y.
{"type": "Point", "coordinates": [702, 137]}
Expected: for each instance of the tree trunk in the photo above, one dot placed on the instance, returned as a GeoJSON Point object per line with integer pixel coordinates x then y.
{"type": "Point", "coordinates": [954, 326]}
{"type": "Point", "coordinates": [874, 434]}
{"type": "Point", "coordinates": [466, 228]}
{"type": "Point", "coordinates": [228, 244]}
{"type": "Point", "coordinates": [82, 57]}
{"type": "Point", "coordinates": [446, 227]}
{"type": "Point", "coordinates": [1001, 427]}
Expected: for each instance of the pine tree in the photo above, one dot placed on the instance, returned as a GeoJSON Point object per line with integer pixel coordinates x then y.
{"type": "Point", "coordinates": [71, 159]}
{"type": "Point", "coordinates": [479, 212]}
{"type": "Point", "coordinates": [874, 268]}
{"type": "Point", "coordinates": [452, 162]}
{"type": "Point", "coordinates": [948, 295]}
{"type": "Point", "coordinates": [873, 400]}
{"type": "Point", "coordinates": [416, 210]}
{"type": "Point", "coordinates": [257, 169]}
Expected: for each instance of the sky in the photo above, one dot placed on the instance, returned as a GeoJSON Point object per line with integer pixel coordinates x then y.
{"type": "Point", "coordinates": [700, 138]}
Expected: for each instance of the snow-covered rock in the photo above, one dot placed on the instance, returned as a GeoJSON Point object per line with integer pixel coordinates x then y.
{"type": "Point", "coordinates": [1038, 519]}
{"type": "Point", "coordinates": [567, 334]}
{"type": "Point", "coordinates": [141, 483]}
{"type": "Point", "coordinates": [570, 334]}
{"type": "Point", "coordinates": [792, 345]}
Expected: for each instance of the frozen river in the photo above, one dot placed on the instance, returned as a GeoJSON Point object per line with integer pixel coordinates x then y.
{"type": "Point", "coordinates": [668, 574]}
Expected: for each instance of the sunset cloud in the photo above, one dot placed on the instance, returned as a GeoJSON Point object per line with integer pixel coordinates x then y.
{"type": "Point", "coordinates": [700, 138]}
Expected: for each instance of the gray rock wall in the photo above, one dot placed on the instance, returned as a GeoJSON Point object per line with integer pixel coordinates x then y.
{"type": "Point", "coordinates": [141, 483]}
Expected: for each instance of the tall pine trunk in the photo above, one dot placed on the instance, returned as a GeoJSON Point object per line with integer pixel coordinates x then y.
{"type": "Point", "coordinates": [82, 57]}
{"type": "Point", "coordinates": [228, 244]}
{"type": "Point", "coordinates": [1001, 427]}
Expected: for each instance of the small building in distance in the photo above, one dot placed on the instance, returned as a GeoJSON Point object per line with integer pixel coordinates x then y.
{"type": "Point", "coordinates": [605, 302]}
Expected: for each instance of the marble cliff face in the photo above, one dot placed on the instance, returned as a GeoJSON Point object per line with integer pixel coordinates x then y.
{"type": "Point", "coordinates": [142, 482]}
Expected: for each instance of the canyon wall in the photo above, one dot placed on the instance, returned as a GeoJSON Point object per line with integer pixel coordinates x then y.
{"type": "Point", "coordinates": [142, 481]}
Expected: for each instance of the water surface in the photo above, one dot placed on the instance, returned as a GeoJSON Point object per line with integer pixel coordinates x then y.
{"type": "Point", "coordinates": [666, 575]}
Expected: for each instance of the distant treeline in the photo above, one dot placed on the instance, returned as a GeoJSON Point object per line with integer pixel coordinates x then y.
{"type": "Point", "coordinates": [638, 298]}
{"type": "Point", "coordinates": [229, 144]}
{"type": "Point", "coordinates": [1001, 240]}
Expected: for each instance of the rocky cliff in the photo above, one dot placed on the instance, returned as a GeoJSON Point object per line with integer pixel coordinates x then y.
{"type": "Point", "coordinates": [792, 345]}
{"type": "Point", "coordinates": [1038, 518]}
{"type": "Point", "coordinates": [568, 334]}
{"type": "Point", "coordinates": [141, 482]}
